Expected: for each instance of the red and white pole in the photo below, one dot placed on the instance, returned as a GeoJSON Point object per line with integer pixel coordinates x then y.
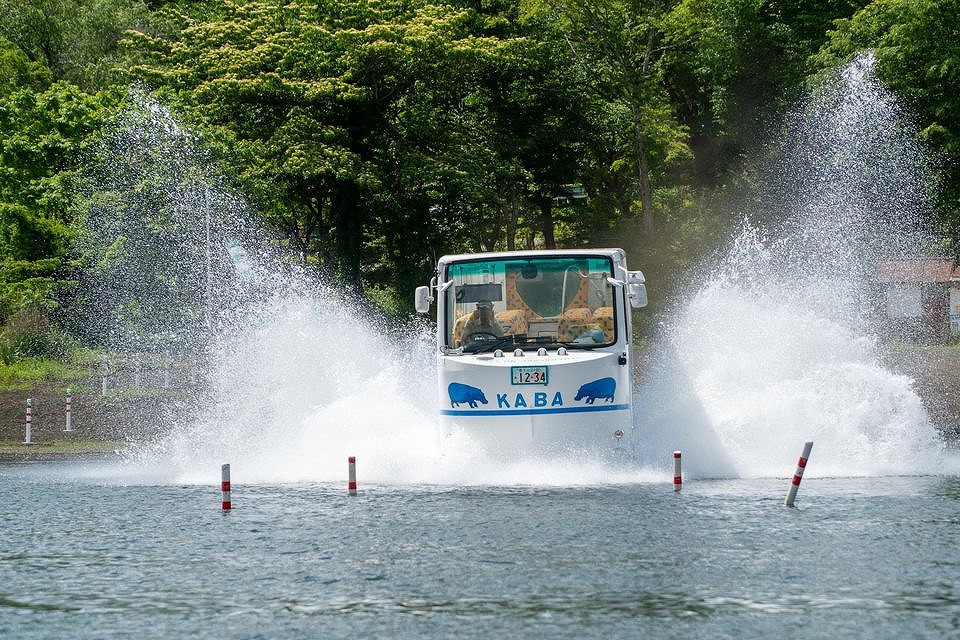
{"type": "Point", "coordinates": [795, 483]}
{"type": "Point", "coordinates": [677, 477]}
{"type": "Point", "coordinates": [69, 427]}
{"type": "Point", "coordinates": [225, 504]}
{"type": "Point", "coordinates": [352, 476]}
{"type": "Point", "coordinates": [28, 436]}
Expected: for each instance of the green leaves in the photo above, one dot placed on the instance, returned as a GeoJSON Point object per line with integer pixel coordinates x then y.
{"type": "Point", "coordinates": [76, 40]}
{"type": "Point", "coordinates": [337, 113]}
{"type": "Point", "coordinates": [25, 235]}
{"type": "Point", "coordinates": [44, 135]}
{"type": "Point", "coordinates": [918, 55]}
{"type": "Point", "coordinates": [373, 136]}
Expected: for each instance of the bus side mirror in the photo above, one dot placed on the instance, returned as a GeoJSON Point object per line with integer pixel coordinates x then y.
{"type": "Point", "coordinates": [637, 289]}
{"type": "Point", "coordinates": [638, 295]}
{"type": "Point", "coordinates": [422, 299]}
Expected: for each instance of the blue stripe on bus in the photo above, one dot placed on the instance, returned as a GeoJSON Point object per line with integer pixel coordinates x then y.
{"type": "Point", "coordinates": [530, 412]}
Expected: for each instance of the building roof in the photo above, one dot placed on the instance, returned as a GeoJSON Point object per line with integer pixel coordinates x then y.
{"type": "Point", "coordinates": [918, 270]}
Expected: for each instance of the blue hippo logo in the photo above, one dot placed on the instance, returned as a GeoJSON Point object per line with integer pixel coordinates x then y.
{"type": "Point", "coordinates": [603, 388]}
{"type": "Point", "coordinates": [465, 393]}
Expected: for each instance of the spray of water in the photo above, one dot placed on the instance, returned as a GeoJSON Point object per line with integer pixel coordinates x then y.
{"type": "Point", "coordinates": [313, 380]}
{"type": "Point", "coordinates": [773, 348]}
{"type": "Point", "coordinates": [777, 345]}
{"type": "Point", "coordinates": [296, 375]}
{"type": "Point", "coordinates": [160, 226]}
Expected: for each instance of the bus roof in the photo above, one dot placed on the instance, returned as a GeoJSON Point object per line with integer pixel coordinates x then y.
{"type": "Point", "coordinates": [535, 253]}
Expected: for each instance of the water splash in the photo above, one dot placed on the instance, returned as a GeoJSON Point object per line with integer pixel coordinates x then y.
{"type": "Point", "coordinates": [774, 349]}
{"type": "Point", "coordinates": [313, 380]}
{"type": "Point", "coordinates": [778, 346]}
{"type": "Point", "coordinates": [158, 224]}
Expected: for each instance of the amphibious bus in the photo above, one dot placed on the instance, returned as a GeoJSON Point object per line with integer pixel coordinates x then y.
{"type": "Point", "coordinates": [534, 348]}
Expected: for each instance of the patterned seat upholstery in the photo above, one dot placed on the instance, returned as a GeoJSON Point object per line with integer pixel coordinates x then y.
{"type": "Point", "coordinates": [582, 298]}
{"type": "Point", "coordinates": [573, 322]}
{"type": "Point", "coordinates": [603, 316]}
{"type": "Point", "coordinates": [513, 321]}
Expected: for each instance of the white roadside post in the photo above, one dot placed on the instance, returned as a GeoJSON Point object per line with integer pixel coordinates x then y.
{"type": "Point", "coordinates": [69, 427]}
{"type": "Point", "coordinates": [28, 435]}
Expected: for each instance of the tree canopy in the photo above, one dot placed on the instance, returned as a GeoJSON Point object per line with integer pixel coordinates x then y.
{"type": "Point", "coordinates": [371, 137]}
{"type": "Point", "coordinates": [918, 55]}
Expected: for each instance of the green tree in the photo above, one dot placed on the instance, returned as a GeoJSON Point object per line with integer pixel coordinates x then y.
{"type": "Point", "coordinates": [918, 56]}
{"type": "Point", "coordinates": [18, 72]}
{"type": "Point", "coordinates": [44, 136]}
{"type": "Point", "coordinates": [734, 66]}
{"type": "Point", "coordinates": [75, 39]}
{"type": "Point", "coordinates": [618, 45]}
{"type": "Point", "coordinates": [515, 124]}
{"type": "Point", "coordinates": [355, 127]}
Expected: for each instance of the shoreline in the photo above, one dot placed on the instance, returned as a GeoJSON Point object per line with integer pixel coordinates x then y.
{"type": "Point", "coordinates": [16, 458]}
{"type": "Point", "coordinates": [60, 450]}
{"type": "Point", "coordinates": [107, 423]}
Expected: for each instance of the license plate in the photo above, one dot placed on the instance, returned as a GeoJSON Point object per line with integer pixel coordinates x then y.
{"type": "Point", "coordinates": [528, 375]}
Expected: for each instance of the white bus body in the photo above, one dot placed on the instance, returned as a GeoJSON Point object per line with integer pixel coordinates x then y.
{"type": "Point", "coordinates": [534, 348]}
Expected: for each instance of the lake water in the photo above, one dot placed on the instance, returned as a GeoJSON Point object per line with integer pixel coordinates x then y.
{"type": "Point", "coordinates": [95, 551]}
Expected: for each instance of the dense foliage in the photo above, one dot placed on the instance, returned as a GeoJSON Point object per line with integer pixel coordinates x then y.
{"type": "Point", "coordinates": [373, 136]}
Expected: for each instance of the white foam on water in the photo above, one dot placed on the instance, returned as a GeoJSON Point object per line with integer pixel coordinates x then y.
{"type": "Point", "coordinates": [313, 381]}
{"type": "Point", "coordinates": [769, 372]}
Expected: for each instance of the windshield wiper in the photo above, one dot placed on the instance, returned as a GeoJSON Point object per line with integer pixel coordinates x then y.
{"type": "Point", "coordinates": [487, 345]}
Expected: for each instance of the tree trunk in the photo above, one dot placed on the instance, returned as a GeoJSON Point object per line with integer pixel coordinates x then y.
{"type": "Point", "coordinates": [349, 234]}
{"type": "Point", "coordinates": [646, 191]}
{"type": "Point", "coordinates": [316, 206]}
{"type": "Point", "coordinates": [513, 212]}
{"type": "Point", "coordinates": [546, 223]}
{"type": "Point", "coordinates": [643, 171]}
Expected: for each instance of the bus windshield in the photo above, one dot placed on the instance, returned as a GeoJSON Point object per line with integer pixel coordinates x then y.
{"type": "Point", "coordinates": [529, 302]}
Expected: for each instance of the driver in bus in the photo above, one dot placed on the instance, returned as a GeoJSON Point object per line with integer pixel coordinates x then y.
{"type": "Point", "coordinates": [482, 323]}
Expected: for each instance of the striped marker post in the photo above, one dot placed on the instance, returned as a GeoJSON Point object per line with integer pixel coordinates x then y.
{"type": "Point", "coordinates": [352, 476]}
{"type": "Point", "coordinates": [69, 427]}
{"type": "Point", "coordinates": [801, 465]}
{"type": "Point", "coordinates": [28, 434]}
{"type": "Point", "coordinates": [677, 476]}
{"type": "Point", "coordinates": [225, 503]}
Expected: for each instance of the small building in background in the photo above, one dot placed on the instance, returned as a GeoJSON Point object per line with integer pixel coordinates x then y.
{"type": "Point", "coordinates": [921, 297]}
